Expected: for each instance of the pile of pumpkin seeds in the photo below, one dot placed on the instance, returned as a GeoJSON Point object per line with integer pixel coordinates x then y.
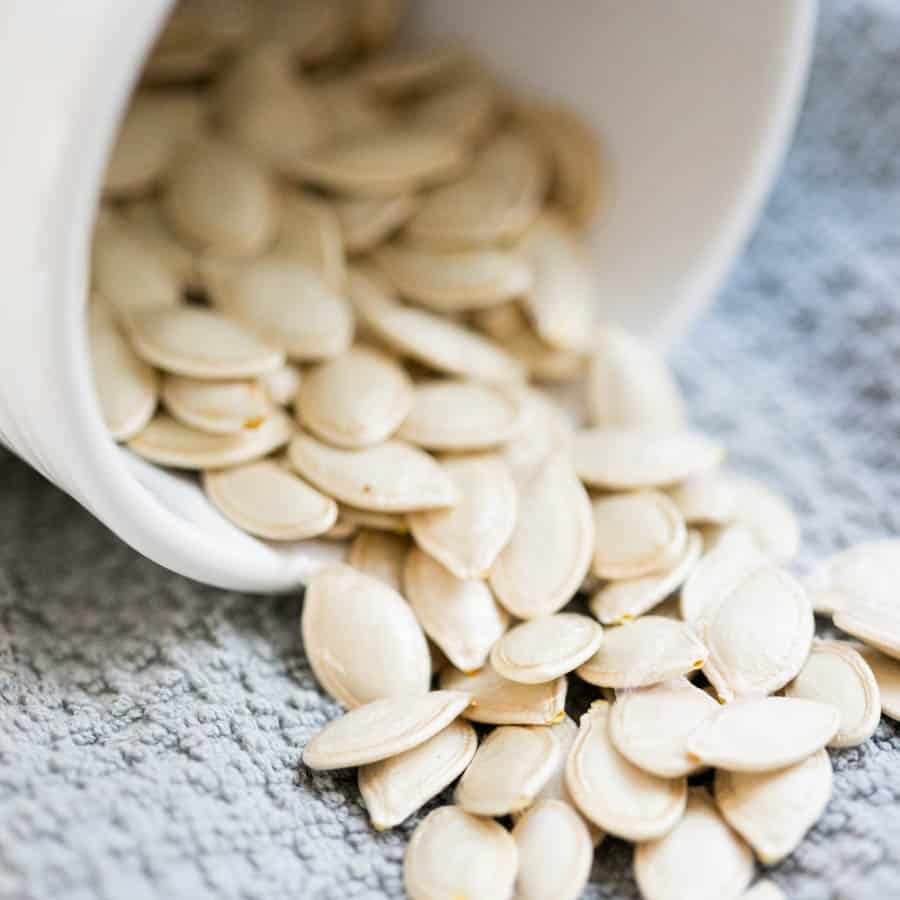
{"type": "Point", "coordinates": [344, 283]}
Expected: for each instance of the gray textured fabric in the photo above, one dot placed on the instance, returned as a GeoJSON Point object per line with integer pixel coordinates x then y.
{"type": "Point", "coordinates": [150, 728]}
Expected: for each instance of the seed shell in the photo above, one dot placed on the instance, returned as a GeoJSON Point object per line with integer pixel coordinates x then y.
{"type": "Point", "coordinates": [887, 674]}
{"type": "Point", "coordinates": [219, 407]}
{"type": "Point", "coordinates": [767, 515]}
{"type": "Point", "coordinates": [380, 555]}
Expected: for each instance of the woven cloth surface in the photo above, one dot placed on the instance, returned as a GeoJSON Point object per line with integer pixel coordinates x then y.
{"type": "Point", "coordinates": [150, 728]}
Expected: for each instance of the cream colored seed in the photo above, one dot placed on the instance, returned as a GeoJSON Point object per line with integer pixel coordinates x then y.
{"type": "Point", "coordinates": [341, 530]}
{"type": "Point", "coordinates": [220, 407]}
{"type": "Point", "coordinates": [887, 673]}
{"type": "Point", "coordinates": [395, 788]}
{"type": "Point", "coordinates": [311, 233]}
{"type": "Point", "coordinates": [365, 223]}
{"type": "Point", "coordinates": [453, 281]}
{"type": "Point", "coordinates": [493, 203]}
{"type": "Point", "coordinates": [383, 163]}
{"type": "Point", "coordinates": [628, 458]}
{"type": "Point", "coordinates": [647, 651]}
{"type": "Point", "coordinates": [701, 858]}
{"type": "Point", "coordinates": [468, 537]}
{"type": "Point", "coordinates": [281, 386]}
{"type": "Point", "coordinates": [169, 443]}
{"type": "Point", "coordinates": [650, 726]}
{"type": "Point", "coordinates": [220, 201]}
{"type": "Point", "coordinates": [561, 300]}
{"type": "Point", "coordinates": [460, 616]}
{"type": "Point", "coordinates": [509, 770]}
{"type": "Point", "coordinates": [763, 734]}
{"type": "Point", "coordinates": [720, 570]}
{"type": "Point", "coordinates": [835, 673]}
{"type": "Point", "coordinates": [465, 110]}
{"type": "Point", "coordinates": [498, 701]}
{"type": "Point", "coordinates": [621, 601]}
{"type": "Point", "coordinates": [545, 648]}
{"type": "Point", "coordinates": [629, 385]}
{"type": "Point", "coordinates": [394, 523]}
{"type": "Point", "coordinates": [362, 639]}
{"type": "Point", "coordinates": [767, 515]}
{"type": "Point", "coordinates": [616, 795]}
{"type": "Point", "coordinates": [543, 362]}
{"type": "Point", "coordinates": [264, 499]}
{"type": "Point", "coordinates": [774, 810]}
{"type": "Point", "coordinates": [461, 416]}
{"type": "Point", "coordinates": [358, 399]}
{"type": "Point", "coordinates": [636, 534]}
{"type": "Point", "coordinates": [390, 477]}
{"type": "Point", "coordinates": [863, 575]}
{"type": "Point", "coordinates": [706, 498]}
{"type": "Point", "coordinates": [435, 341]}
{"type": "Point", "coordinates": [380, 555]}
{"type": "Point", "coordinates": [453, 855]}
{"type": "Point", "coordinates": [555, 852]}
{"type": "Point", "coordinates": [350, 109]}
{"type": "Point", "coordinates": [200, 343]}
{"type": "Point", "coordinates": [873, 625]}
{"type": "Point", "coordinates": [413, 70]}
{"type": "Point", "coordinates": [759, 636]}
{"type": "Point", "coordinates": [289, 305]}
{"type": "Point", "coordinates": [549, 553]}
{"type": "Point", "coordinates": [145, 222]}
{"type": "Point", "coordinates": [501, 322]}
{"type": "Point", "coordinates": [383, 728]}
{"type": "Point", "coordinates": [126, 386]}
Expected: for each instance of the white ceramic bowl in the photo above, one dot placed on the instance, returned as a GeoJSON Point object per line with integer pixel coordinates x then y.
{"type": "Point", "coordinates": [696, 102]}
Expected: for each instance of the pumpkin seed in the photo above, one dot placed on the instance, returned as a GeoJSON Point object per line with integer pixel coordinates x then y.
{"type": "Point", "coordinates": [311, 234]}
{"type": "Point", "coordinates": [555, 852]}
{"type": "Point", "coordinates": [629, 385]}
{"type": "Point", "coordinates": [350, 109]}
{"type": "Point", "coordinates": [390, 477]}
{"type": "Point", "coordinates": [772, 811]}
{"type": "Point", "coordinates": [636, 534]}
{"type": "Point", "coordinates": [836, 673]}
{"type": "Point", "coordinates": [281, 386]}
{"type": "Point", "coordinates": [288, 305]}
{"type": "Point", "coordinates": [220, 407]}
{"type": "Point", "coordinates": [701, 858]}
{"type": "Point", "coordinates": [169, 443]}
{"type": "Point", "coordinates": [621, 601]}
{"type": "Point", "coordinates": [877, 627]}
{"type": "Point", "coordinates": [549, 553]}
{"type": "Point", "coordinates": [380, 555]}
{"type": "Point", "coordinates": [341, 530]}
{"type": "Point", "coordinates": [650, 726]}
{"type": "Point", "coordinates": [366, 222]}
{"type": "Point", "coordinates": [383, 728]}
{"type": "Point", "coordinates": [561, 301]}
{"type": "Point", "coordinates": [628, 458]}
{"type": "Point", "coordinates": [220, 201]}
{"type": "Point", "coordinates": [413, 70]}
{"type": "Point", "coordinates": [466, 110]}
{"type": "Point", "coordinates": [313, 30]}
{"type": "Point", "coordinates": [759, 636]}
{"type": "Point", "coordinates": [460, 616]}
{"type": "Point", "coordinates": [454, 854]}
{"type": "Point", "coordinates": [362, 639]}
{"type": "Point", "coordinates": [646, 651]}
{"type": "Point", "coordinates": [498, 701]}
{"type": "Point", "coordinates": [377, 20]}
{"type": "Point", "coordinates": [264, 499]}
{"type": "Point", "coordinates": [144, 220]}
{"type": "Point", "coordinates": [767, 515]}
{"type": "Point", "coordinates": [706, 498]}
{"type": "Point", "coordinates": [448, 281]}
{"type": "Point", "coordinates": [126, 386]}
{"type": "Point", "coordinates": [720, 570]}
{"type": "Point", "coordinates": [509, 770]}
{"type": "Point", "coordinates": [395, 788]}
{"type": "Point", "coordinates": [616, 795]}
{"type": "Point", "coordinates": [130, 274]}
{"type": "Point", "coordinates": [493, 204]}
{"type": "Point", "coordinates": [543, 362]}
{"type": "Point", "coordinates": [461, 415]}
{"type": "Point", "coordinates": [382, 163]}
{"type": "Point", "coordinates": [764, 733]}
{"type": "Point", "coordinates": [395, 523]}
{"type": "Point", "coordinates": [500, 322]}
{"type": "Point", "coordinates": [358, 399]}
{"type": "Point", "coordinates": [545, 648]}
{"type": "Point", "coordinates": [763, 890]}
{"type": "Point", "coordinates": [887, 674]}
{"type": "Point", "coordinates": [437, 342]}
{"type": "Point", "coordinates": [467, 538]}
{"type": "Point", "coordinates": [200, 343]}
{"type": "Point", "coordinates": [863, 575]}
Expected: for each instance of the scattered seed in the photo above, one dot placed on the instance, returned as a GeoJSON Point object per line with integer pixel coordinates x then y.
{"type": "Point", "coordinates": [281, 386]}
{"type": "Point", "coordinates": [873, 625]}
{"type": "Point", "coordinates": [367, 222]}
{"type": "Point", "coordinates": [219, 407]}
{"type": "Point", "coordinates": [704, 499]}
{"type": "Point", "coordinates": [394, 523]}
{"type": "Point", "coordinates": [887, 673]}
{"type": "Point", "coordinates": [380, 555]}
{"type": "Point", "coordinates": [311, 234]}
{"type": "Point", "coordinates": [767, 515]}
{"type": "Point", "coordinates": [413, 71]}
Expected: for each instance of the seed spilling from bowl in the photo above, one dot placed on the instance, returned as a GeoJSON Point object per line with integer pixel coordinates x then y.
{"type": "Point", "coordinates": [342, 283]}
